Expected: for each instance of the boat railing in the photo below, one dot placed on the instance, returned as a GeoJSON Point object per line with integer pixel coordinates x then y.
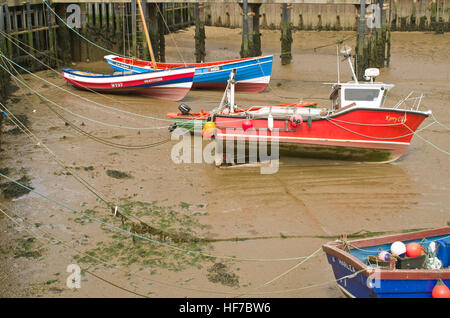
{"type": "Point", "coordinates": [411, 101]}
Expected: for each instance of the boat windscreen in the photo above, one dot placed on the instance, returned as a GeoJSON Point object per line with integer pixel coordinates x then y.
{"type": "Point", "coordinates": [358, 94]}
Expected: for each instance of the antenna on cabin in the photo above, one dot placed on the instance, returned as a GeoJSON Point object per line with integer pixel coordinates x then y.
{"type": "Point", "coordinates": [337, 58]}
{"type": "Point", "coordinates": [347, 53]}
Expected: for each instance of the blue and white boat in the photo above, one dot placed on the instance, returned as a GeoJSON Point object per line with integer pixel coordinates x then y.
{"type": "Point", "coordinates": [359, 276]}
{"type": "Point", "coordinates": [252, 74]}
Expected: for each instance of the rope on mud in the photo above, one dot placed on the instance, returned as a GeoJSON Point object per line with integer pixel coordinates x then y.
{"type": "Point", "coordinates": [79, 34]}
{"type": "Point", "coordinates": [95, 138]}
{"type": "Point", "coordinates": [25, 130]}
{"type": "Point", "coordinates": [349, 276]}
{"type": "Point", "coordinates": [146, 238]}
{"type": "Point", "coordinates": [51, 236]}
{"type": "Point", "coordinates": [73, 113]}
{"type": "Point", "coordinates": [284, 273]}
{"type": "Point", "coordinates": [62, 242]}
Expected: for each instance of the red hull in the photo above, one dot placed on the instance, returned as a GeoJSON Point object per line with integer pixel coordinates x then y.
{"type": "Point", "coordinates": [380, 135]}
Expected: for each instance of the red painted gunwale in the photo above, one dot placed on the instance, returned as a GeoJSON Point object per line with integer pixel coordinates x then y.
{"type": "Point", "coordinates": [142, 63]}
{"type": "Point", "coordinates": [336, 249]}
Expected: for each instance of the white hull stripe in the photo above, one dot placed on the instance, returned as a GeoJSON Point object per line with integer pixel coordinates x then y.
{"type": "Point", "coordinates": [257, 80]}
{"type": "Point", "coordinates": [121, 79]}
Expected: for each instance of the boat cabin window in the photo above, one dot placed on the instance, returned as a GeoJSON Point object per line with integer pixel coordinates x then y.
{"type": "Point", "coordinates": [368, 95]}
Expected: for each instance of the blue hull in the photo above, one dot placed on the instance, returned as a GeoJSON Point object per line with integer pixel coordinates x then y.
{"type": "Point", "coordinates": [349, 268]}
{"type": "Point", "coordinates": [252, 75]}
{"type": "Point", "coordinates": [357, 286]}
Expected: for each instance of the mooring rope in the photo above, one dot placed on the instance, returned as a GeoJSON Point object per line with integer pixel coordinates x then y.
{"type": "Point", "coordinates": [283, 274]}
{"type": "Point", "coordinates": [72, 93]}
{"type": "Point", "coordinates": [78, 115]}
{"type": "Point", "coordinates": [146, 238]}
{"type": "Point", "coordinates": [86, 99]}
{"type": "Point", "coordinates": [165, 283]}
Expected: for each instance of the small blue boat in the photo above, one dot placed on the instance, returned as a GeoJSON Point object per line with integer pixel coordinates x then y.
{"type": "Point", "coordinates": [360, 274]}
{"type": "Point", "coordinates": [252, 74]}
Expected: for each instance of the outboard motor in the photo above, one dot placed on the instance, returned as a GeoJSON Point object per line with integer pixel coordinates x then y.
{"type": "Point", "coordinates": [184, 109]}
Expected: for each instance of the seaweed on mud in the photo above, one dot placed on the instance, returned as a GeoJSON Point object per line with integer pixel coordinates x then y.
{"type": "Point", "coordinates": [163, 224]}
{"type": "Point", "coordinates": [22, 118]}
{"type": "Point", "coordinates": [26, 248]}
{"type": "Point", "coordinates": [13, 190]}
{"type": "Point", "coordinates": [220, 273]}
{"type": "Point", "coordinates": [117, 174]}
{"type": "Point", "coordinates": [13, 132]}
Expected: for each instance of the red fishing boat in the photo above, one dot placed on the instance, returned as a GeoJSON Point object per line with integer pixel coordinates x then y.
{"type": "Point", "coordinates": [356, 127]}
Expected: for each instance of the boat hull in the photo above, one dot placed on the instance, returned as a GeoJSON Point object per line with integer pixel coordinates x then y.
{"type": "Point", "coordinates": [386, 283]}
{"type": "Point", "coordinates": [363, 134]}
{"type": "Point", "coordinates": [169, 85]}
{"type": "Point", "coordinates": [252, 74]}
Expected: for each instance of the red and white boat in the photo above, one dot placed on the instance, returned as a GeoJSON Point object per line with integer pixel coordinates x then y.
{"type": "Point", "coordinates": [171, 84]}
{"type": "Point", "coordinates": [356, 127]}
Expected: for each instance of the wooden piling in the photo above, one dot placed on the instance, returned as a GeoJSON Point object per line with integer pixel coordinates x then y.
{"type": "Point", "coordinates": [29, 25]}
{"type": "Point", "coordinates": [133, 28]}
{"type": "Point", "coordinates": [161, 28]}
{"type": "Point", "coordinates": [286, 36]}
{"type": "Point", "coordinates": [51, 36]}
{"type": "Point", "coordinates": [245, 38]}
{"type": "Point", "coordinates": [255, 49]}
{"type": "Point", "coordinates": [200, 50]}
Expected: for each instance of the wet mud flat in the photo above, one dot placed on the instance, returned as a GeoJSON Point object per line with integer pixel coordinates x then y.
{"type": "Point", "coordinates": [249, 227]}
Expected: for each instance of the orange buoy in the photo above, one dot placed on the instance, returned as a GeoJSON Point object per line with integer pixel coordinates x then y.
{"type": "Point", "coordinates": [413, 250]}
{"type": "Point", "coordinates": [440, 290]}
{"type": "Point", "coordinates": [208, 129]}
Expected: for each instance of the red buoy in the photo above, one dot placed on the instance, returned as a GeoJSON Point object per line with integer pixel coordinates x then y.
{"type": "Point", "coordinates": [296, 120]}
{"type": "Point", "coordinates": [413, 250]}
{"type": "Point", "coordinates": [247, 124]}
{"type": "Point", "coordinates": [440, 290]}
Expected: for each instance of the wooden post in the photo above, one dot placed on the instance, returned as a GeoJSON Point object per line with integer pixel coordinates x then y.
{"type": "Point", "coordinates": [36, 23]}
{"type": "Point", "coordinates": [51, 35]}
{"type": "Point", "coordinates": [133, 28]}
{"type": "Point", "coordinates": [256, 50]}
{"type": "Point", "coordinates": [286, 36]}
{"type": "Point", "coordinates": [29, 25]}
{"type": "Point", "coordinates": [200, 51]}
{"type": "Point", "coordinates": [161, 28]}
{"type": "Point", "coordinates": [3, 41]}
{"type": "Point", "coordinates": [245, 39]}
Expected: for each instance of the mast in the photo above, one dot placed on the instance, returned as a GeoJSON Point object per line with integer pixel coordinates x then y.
{"type": "Point", "coordinates": [149, 44]}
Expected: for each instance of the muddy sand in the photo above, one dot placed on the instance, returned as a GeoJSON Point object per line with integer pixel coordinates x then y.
{"type": "Point", "coordinates": [261, 220]}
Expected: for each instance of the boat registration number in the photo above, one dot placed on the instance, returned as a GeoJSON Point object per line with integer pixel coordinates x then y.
{"type": "Point", "coordinates": [215, 68]}
{"type": "Point", "coordinates": [116, 85]}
